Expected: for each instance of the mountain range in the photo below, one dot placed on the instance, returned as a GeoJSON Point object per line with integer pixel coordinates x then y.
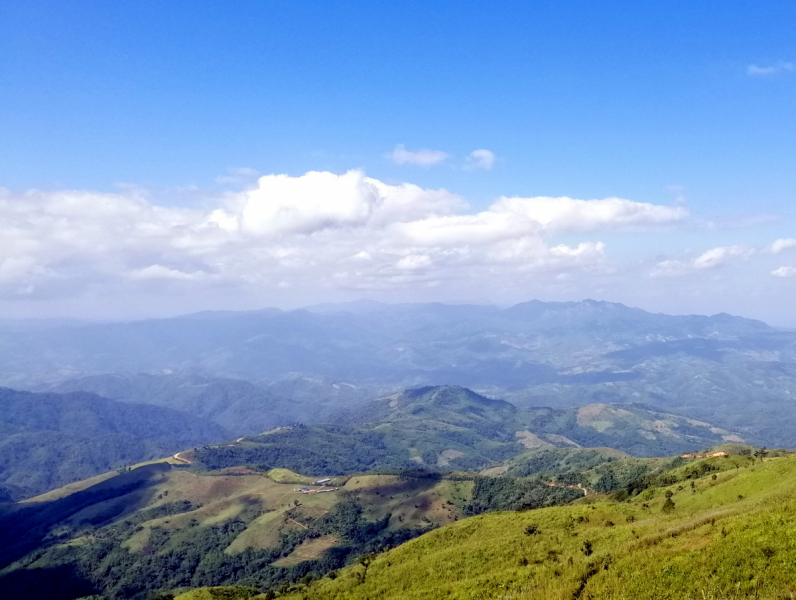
{"type": "Point", "coordinates": [274, 367]}
{"type": "Point", "coordinates": [48, 440]}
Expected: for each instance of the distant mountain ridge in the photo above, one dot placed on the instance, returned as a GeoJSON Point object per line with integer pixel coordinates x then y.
{"type": "Point", "coordinates": [239, 406]}
{"type": "Point", "coordinates": [737, 373]}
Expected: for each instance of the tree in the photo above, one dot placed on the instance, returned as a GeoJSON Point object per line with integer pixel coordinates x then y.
{"type": "Point", "coordinates": [606, 483]}
{"type": "Point", "coordinates": [761, 453]}
{"type": "Point", "coordinates": [668, 506]}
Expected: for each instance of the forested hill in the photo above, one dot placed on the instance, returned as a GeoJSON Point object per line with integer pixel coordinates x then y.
{"type": "Point", "coordinates": [49, 440]}
{"type": "Point", "coordinates": [447, 428]}
{"type": "Point", "coordinates": [737, 373]}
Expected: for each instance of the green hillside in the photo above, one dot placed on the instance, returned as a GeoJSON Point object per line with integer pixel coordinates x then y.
{"type": "Point", "coordinates": [49, 440]}
{"type": "Point", "coordinates": [729, 530]}
{"type": "Point", "coordinates": [731, 533]}
{"type": "Point", "coordinates": [163, 526]}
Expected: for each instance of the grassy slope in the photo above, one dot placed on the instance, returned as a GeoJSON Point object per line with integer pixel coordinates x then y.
{"type": "Point", "coordinates": [263, 508]}
{"type": "Point", "coordinates": [734, 537]}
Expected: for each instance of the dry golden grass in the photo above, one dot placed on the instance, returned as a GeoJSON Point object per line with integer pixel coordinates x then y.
{"type": "Point", "coordinates": [309, 550]}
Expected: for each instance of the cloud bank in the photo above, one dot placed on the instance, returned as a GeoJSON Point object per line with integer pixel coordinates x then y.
{"type": "Point", "coordinates": [317, 231]}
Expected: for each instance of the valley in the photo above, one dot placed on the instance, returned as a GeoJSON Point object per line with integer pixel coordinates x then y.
{"type": "Point", "coordinates": [554, 477]}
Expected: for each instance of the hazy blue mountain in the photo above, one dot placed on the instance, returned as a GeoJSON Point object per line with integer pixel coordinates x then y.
{"type": "Point", "coordinates": [49, 440]}
{"type": "Point", "coordinates": [241, 407]}
{"type": "Point", "coordinates": [735, 372]}
{"type": "Point", "coordinates": [238, 406]}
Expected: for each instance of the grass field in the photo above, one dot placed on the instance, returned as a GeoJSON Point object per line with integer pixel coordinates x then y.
{"type": "Point", "coordinates": [728, 536]}
{"type": "Point", "coordinates": [714, 528]}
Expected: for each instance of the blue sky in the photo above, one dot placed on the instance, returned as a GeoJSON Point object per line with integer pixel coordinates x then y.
{"type": "Point", "coordinates": [669, 104]}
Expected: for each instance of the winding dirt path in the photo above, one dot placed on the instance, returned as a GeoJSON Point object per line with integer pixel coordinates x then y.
{"type": "Point", "coordinates": [181, 459]}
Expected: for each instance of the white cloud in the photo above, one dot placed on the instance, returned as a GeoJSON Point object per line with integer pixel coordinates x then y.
{"type": "Point", "coordinates": [283, 204]}
{"type": "Point", "coordinates": [784, 272]}
{"type": "Point", "coordinates": [517, 217]}
{"type": "Point", "coordinates": [480, 159]}
{"type": "Point", "coordinates": [414, 262]}
{"type": "Point", "coordinates": [670, 268]}
{"type": "Point", "coordinates": [781, 245]}
{"type": "Point", "coordinates": [155, 272]}
{"type": "Point", "coordinates": [758, 71]}
{"type": "Point", "coordinates": [424, 158]}
{"type": "Point", "coordinates": [711, 259]}
{"type": "Point", "coordinates": [323, 200]}
{"type": "Point", "coordinates": [319, 231]}
{"type": "Point", "coordinates": [717, 257]}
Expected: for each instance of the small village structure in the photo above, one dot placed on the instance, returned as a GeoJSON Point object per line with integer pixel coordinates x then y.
{"type": "Point", "coordinates": [324, 484]}
{"type": "Point", "coordinates": [711, 455]}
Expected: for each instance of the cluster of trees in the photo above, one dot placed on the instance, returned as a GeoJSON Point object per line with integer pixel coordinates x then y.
{"type": "Point", "coordinates": [508, 493]}
{"type": "Point", "coordinates": [312, 450]}
{"type": "Point", "coordinates": [558, 460]}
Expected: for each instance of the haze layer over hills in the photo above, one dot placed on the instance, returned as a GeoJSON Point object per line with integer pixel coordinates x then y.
{"type": "Point", "coordinates": [273, 367]}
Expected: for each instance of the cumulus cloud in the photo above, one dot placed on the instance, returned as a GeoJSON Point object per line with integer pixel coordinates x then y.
{"type": "Point", "coordinates": [711, 259]}
{"type": "Point", "coordinates": [758, 71]}
{"type": "Point", "coordinates": [424, 158]}
{"type": "Point", "coordinates": [717, 257]}
{"type": "Point", "coordinates": [784, 272]}
{"type": "Point", "coordinates": [320, 231]}
{"type": "Point", "coordinates": [480, 159]}
{"type": "Point", "coordinates": [781, 245]}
